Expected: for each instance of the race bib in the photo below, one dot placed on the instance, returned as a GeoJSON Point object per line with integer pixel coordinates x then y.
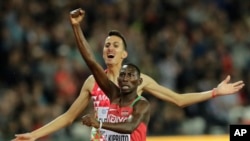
{"type": "Point", "coordinates": [114, 136]}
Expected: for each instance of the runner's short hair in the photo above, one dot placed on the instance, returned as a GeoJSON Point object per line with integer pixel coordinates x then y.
{"type": "Point", "coordinates": [118, 34]}
{"type": "Point", "coordinates": [134, 66]}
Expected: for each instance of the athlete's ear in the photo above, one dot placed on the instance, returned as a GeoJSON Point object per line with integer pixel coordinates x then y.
{"type": "Point", "coordinates": [124, 54]}
{"type": "Point", "coordinates": [140, 81]}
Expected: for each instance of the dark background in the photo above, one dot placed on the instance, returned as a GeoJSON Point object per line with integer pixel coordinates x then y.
{"type": "Point", "coordinates": [185, 45]}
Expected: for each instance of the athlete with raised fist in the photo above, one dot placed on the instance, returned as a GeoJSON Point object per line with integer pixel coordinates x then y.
{"type": "Point", "coordinates": [114, 52]}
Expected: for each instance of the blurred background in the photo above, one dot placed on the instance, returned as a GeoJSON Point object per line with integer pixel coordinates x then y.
{"type": "Point", "coordinates": [185, 45]}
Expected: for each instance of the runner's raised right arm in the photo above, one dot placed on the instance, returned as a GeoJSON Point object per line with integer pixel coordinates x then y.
{"type": "Point", "coordinates": [108, 87]}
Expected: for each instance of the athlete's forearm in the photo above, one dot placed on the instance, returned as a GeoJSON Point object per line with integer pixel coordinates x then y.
{"type": "Point", "coordinates": [181, 100]}
{"type": "Point", "coordinates": [83, 45]}
{"type": "Point", "coordinates": [51, 127]}
{"type": "Point", "coordinates": [187, 99]}
{"type": "Point", "coordinates": [123, 127]}
{"type": "Point", "coordinates": [96, 69]}
{"type": "Point", "coordinates": [88, 56]}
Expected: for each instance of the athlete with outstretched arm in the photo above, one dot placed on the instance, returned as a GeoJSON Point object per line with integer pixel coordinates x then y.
{"type": "Point", "coordinates": [114, 52]}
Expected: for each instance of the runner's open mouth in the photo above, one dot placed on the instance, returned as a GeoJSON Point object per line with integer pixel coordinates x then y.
{"type": "Point", "coordinates": [111, 56]}
{"type": "Point", "coordinates": [125, 87]}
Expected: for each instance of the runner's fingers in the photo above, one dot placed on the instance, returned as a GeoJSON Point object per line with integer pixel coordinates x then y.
{"type": "Point", "coordinates": [239, 83]}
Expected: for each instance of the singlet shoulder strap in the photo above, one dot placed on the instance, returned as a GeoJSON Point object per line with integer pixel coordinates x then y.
{"type": "Point", "coordinates": [137, 99]}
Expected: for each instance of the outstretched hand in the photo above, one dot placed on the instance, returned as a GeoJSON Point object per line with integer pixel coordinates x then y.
{"type": "Point", "coordinates": [226, 88]}
{"type": "Point", "coordinates": [76, 16]}
{"type": "Point", "coordinates": [24, 137]}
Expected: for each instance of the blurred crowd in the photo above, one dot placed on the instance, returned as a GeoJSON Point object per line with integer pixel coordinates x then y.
{"type": "Point", "coordinates": [185, 45]}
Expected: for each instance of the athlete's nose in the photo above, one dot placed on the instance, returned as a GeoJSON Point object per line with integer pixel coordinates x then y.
{"type": "Point", "coordinates": [111, 47]}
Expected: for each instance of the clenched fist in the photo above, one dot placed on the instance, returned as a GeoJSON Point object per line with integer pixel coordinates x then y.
{"type": "Point", "coordinates": [90, 120]}
{"type": "Point", "coordinates": [76, 16]}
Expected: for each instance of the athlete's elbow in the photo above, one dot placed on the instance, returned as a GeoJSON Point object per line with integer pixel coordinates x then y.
{"type": "Point", "coordinates": [68, 119]}
{"type": "Point", "coordinates": [180, 103]}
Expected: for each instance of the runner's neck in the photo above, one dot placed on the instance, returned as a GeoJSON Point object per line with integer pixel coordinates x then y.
{"type": "Point", "coordinates": [113, 73]}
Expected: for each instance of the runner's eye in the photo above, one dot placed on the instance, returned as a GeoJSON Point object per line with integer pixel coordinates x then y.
{"type": "Point", "coordinates": [107, 45]}
{"type": "Point", "coordinates": [122, 74]}
{"type": "Point", "coordinates": [116, 44]}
